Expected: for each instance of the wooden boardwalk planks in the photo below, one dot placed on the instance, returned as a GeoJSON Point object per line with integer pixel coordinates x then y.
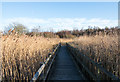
{"type": "Point", "coordinates": [64, 68]}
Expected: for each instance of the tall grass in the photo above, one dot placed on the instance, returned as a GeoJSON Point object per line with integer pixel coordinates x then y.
{"type": "Point", "coordinates": [22, 55]}
{"type": "Point", "coordinates": [101, 49]}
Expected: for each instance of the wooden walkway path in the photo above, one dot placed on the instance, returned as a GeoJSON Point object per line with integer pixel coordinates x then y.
{"type": "Point", "coordinates": [60, 65]}
{"type": "Point", "coordinates": [64, 68]}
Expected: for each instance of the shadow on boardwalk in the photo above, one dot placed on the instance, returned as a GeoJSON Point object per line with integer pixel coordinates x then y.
{"type": "Point", "coordinates": [64, 67]}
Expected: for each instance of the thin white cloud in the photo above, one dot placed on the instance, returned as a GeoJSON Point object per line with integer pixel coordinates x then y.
{"type": "Point", "coordinates": [61, 23]}
{"type": "Point", "coordinates": [26, 20]}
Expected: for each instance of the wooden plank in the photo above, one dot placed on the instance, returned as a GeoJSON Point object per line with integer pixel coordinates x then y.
{"type": "Point", "coordinates": [64, 68]}
{"type": "Point", "coordinates": [84, 67]}
{"type": "Point", "coordinates": [50, 65]}
{"type": "Point", "coordinates": [37, 74]}
{"type": "Point", "coordinates": [41, 69]}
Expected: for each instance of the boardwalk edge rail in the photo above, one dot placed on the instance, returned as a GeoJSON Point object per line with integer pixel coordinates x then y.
{"type": "Point", "coordinates": [86, 69]}
{"type": "Point", "coordinates": [41, 69]}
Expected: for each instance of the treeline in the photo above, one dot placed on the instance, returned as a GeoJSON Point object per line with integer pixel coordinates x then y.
{"type": "Point", "coordinates": [96, 31]}
{"type": "Point", "coordinates": [77, 33]}
{"type": "Point", "coordinates": [44, 34]}
{"type": "Point", "coordinates": [21, 29]}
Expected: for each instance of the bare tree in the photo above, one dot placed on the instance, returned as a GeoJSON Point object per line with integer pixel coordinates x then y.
{"type": "Point", "coordinates": [15, 28]}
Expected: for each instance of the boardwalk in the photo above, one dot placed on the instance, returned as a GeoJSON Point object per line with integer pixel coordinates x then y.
{"type": "Point", "coordinates": [64, 67]}
{"type": "Point", "coordinates": [60, 65]}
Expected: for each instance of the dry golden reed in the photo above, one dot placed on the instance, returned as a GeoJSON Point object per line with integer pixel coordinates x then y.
{"type": "Point", "coordinates": [102, 49]}
{"type": "Point", "coordinates": [21, 55]}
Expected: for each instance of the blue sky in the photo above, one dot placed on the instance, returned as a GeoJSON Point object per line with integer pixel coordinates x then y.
{"type": "Point", "coordinates": [106, 10]}
{"type": "Point", "coordinates": [60, 15]}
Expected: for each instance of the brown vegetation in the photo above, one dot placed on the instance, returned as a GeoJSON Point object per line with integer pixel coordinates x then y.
{"type": "Point", "coordinates": [101, 49]}
{"type": "Point", "coordinates": [21, 55]}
